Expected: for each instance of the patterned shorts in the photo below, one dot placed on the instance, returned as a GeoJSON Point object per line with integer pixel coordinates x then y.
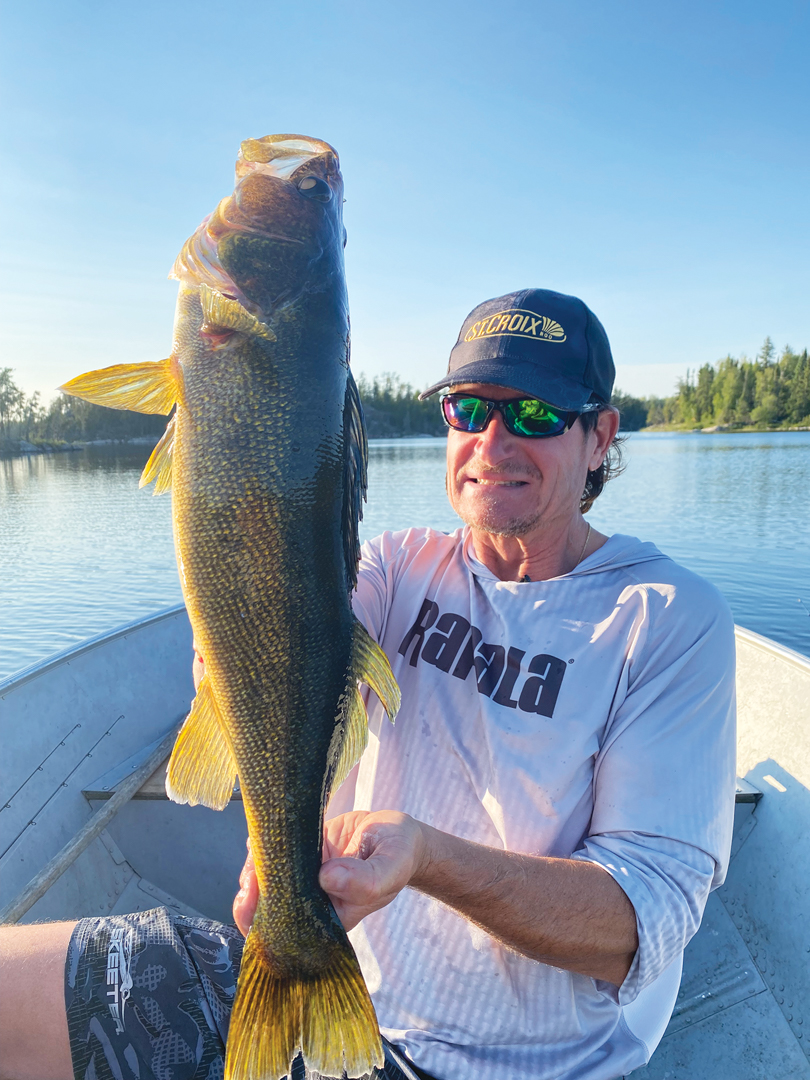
{"type": "Point", "coordinates": [149, 997]}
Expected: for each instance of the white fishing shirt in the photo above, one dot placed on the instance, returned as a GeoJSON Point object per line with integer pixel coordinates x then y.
{"type": "Point", "coordinates": [588, 716]}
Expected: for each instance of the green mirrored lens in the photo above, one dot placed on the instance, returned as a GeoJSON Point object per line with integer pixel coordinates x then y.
{"type": "Point", "coordinates": [531, 417]}
{"type": "Point", "coordinates": [471, 410]}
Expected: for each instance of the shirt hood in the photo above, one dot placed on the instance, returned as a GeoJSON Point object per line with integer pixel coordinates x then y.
{"type": "Point", "coordinates": [618, 552]}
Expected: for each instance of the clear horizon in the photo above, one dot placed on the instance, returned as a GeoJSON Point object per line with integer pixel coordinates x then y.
{"type": "Point", "coordinates": [650, 161]}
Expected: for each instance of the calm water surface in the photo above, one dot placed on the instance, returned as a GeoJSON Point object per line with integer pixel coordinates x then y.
{"type": "Point", "coordinates": [83, 550]}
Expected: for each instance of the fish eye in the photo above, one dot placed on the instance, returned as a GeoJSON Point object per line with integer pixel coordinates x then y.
{"type": "Point", "coordinates": [315, 188]}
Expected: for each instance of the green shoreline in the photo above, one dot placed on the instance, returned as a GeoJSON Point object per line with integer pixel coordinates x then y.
{"type": "Point", "coordinates": [720, 429]}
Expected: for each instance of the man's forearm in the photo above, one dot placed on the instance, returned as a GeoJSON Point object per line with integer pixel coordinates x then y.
{"type": "Point", "coordinates": [564, 912]}
{"type": "Point", "coordinates": [34, 1041]}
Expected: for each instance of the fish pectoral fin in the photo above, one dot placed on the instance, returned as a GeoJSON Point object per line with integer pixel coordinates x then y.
{"type": "Point", "coordinates": [202, 769]}
{"type": "Point", "coordinates": [327, 1014]}
{"type": "Point", "coordinates": [223, 313]}
{"type": "Point", "coordinates": [159, 465]}
{"type": "Point", "coordinates": [370, 665]}
{"type": "Point", "coordinates": [151, 387]}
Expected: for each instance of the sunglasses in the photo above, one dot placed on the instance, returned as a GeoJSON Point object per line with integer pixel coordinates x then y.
{"type": "Point", "coordinates": [528, 417]}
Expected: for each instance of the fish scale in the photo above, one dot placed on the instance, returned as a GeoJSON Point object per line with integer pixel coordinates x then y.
{"type": "Point", "coordinates": [266, 460]}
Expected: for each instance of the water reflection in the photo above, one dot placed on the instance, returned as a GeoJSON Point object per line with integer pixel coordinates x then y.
{"type": "Point", "coordinates": [82, 549]}
{"type": "Point", "coordinates": [406, 487]}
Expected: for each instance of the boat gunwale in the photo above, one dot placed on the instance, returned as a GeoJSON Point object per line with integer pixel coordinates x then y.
{"type": "Point", "coordinates": [19, 678]}
{"type": "Point", "coordinates": [768, 645]}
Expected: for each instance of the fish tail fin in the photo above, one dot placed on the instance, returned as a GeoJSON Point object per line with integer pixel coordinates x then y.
{"type": "Point", "coordinates": [327, 1015]}
{"type": "Point", "coordinates": [151, 387]}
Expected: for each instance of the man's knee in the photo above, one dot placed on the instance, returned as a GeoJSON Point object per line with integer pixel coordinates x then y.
{"type": "Point", "coordinates": [34, 1041]}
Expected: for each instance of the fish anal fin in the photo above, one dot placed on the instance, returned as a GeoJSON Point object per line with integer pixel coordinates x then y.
{"type": "Point", "coordinates": [222, 314]}
{"type": "Point", "coordinates": [152, 387]}
{"type": "Point", "coordinates": [370, 665]}
{"type": "Point", "coordinates": [327, 1015]}
{"type": "Point", "coordinates": [159, 465]}
{"type": "Point", "coordinates": [202, 770]}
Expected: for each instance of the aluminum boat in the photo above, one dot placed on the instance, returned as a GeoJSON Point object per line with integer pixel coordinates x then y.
{"type": "Point", "coordinates": [86, 829]}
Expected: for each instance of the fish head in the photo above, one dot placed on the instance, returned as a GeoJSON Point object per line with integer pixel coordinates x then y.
{"type": "Point", "coordinates": [281, 231]}
{"type": "Point", "coordinates": [293, 182]}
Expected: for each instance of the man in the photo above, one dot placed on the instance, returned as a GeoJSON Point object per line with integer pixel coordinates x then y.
{"type": "Point", "coordinates": [523, 857]}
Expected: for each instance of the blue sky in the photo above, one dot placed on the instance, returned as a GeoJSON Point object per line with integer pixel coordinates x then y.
{"type": "Point", "coordinates": [650, 158]}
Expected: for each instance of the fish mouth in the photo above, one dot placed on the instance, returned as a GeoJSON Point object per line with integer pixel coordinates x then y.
{"type": "Point", "coordinates": [281, 155]}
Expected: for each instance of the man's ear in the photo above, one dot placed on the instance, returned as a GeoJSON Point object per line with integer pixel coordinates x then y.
{"type": "Point", "coordinates": [607, 427]}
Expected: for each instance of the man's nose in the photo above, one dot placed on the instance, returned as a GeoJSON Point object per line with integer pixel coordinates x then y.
{"type": "Point", "coordinates": [495, 442]}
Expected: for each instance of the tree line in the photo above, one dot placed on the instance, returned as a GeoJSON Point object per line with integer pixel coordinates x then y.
{"type": "Point", "coordinates": [392, 409]}
{"type": "Point", "coordinates": [765, 392]}
{"type": "Point", "coordinates": [65, 419]}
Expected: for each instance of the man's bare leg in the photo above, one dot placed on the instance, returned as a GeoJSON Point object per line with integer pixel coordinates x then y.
{"type": "Point", "coordinates": [33, 1026]}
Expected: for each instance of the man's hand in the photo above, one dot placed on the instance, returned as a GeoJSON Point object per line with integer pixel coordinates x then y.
{"type": "Point", "coordinates": [368, 858]}
{"type": "Point", "coordinates": [566, 912]}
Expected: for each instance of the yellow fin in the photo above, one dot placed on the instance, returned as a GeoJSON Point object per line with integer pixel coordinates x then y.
{"type": "Point", "coordinates": [355, 739]}
{"type": "Point", "coordinates": [159, 465]}
{"type": "Point", "coordinates": [202, 769]}
{"type": "Point", "coordinates": [148, 388]}
{"type": "Point", "coordinates": [328, 1015]}
{"type": "Point", "coordinates": [220, 311]}
{"type": "Point", "coordinates": [370, 665]}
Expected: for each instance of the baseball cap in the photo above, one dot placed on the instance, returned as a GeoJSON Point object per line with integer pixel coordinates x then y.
{"type": "Point", "coordinates": [543, 343]}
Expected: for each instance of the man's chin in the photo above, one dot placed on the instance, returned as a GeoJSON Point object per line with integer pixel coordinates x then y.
{"type": "Point", "coordinates": [499, 524]}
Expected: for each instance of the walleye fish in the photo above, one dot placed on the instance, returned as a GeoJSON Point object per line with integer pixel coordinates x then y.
{"type": "Point", "coordinates": [266, 460]}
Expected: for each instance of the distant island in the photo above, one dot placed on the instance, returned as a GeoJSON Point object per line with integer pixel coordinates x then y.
{"type": "Point", "coordinates": [764, 394]}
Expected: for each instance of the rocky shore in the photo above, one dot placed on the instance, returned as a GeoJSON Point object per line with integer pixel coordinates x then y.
{"type": "Point", "coordinates": [21, 447]}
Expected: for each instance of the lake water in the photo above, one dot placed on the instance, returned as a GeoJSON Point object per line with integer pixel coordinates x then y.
{"type": "Point", "coordinates": [83, 550]}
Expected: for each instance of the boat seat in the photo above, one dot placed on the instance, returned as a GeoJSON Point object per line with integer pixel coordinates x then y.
{"type": "Point", "coordinates": [152, 788]}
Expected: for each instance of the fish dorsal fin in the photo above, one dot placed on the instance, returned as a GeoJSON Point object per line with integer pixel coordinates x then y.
{"type": "Point", "coordinates": [202, 770]}
{"type": "Point", "coordinates": [369, 664]}
{"type": "Point", "coordinates": [159, 465]}
{"type": "Point", "coordinates": [152, 387]}
{"type": "Point", "coordinates": [355, 738]}
{"type": "Point", "coordinates": [355, 479]}
{"type": "Point", "coordinates": [222, 313]}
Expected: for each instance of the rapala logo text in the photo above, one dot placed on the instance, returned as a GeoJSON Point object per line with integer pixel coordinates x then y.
{"type": "Point", "coordinates": [119, 980]}
{"type": "Point", "coordinates": [457, 647]}
{"type": "Point", "coordinates": [516, 322]}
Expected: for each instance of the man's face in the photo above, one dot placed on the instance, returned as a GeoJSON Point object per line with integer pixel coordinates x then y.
{"type": "Point", "coordinates": [509, 484]}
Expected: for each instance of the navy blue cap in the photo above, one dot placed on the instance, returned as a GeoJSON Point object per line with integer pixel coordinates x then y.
{"type": "Point", "coordinates": [545, 344]}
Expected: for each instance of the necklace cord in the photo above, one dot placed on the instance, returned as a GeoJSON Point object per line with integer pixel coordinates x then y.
{"type": "Point", "coordinates": [587, 538]}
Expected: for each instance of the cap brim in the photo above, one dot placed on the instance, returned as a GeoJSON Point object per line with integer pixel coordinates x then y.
{"type": "Point", "coordinates": [562, 393]}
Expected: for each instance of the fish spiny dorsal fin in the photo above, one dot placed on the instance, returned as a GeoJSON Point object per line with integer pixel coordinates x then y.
{"type": "Point", "coordinates": [355, 480]}
{"type": "Point", "coordinates": [152, 387]}
{"type": "Point", "coordinates": [202, 769]}
{"type": "Point", "coordinates": [222, 313]}
{"type": "Point", "coordinates": [159, 465]}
